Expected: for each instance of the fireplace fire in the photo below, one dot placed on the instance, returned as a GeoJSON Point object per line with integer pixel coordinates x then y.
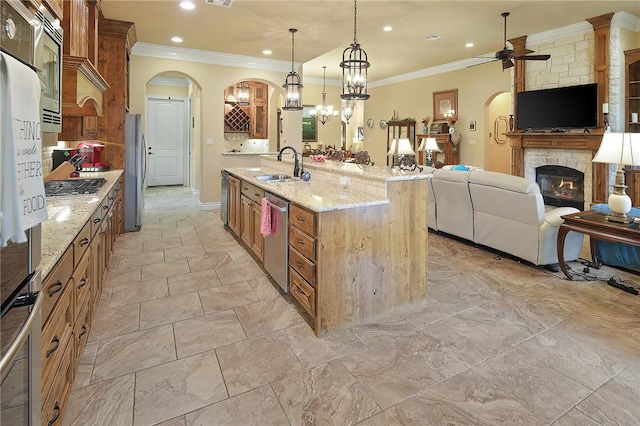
{"type": "Point", "coordinates": [561, 186]}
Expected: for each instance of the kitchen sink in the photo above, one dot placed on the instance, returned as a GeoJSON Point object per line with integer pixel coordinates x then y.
{"type": "Point", "coordinates": [274, 178]}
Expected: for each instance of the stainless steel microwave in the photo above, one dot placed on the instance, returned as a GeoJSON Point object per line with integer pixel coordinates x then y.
{"type": "Point", "coordinates": [48, 61]}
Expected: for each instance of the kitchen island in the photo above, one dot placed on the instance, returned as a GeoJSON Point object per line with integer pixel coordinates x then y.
{"type": "Point", "coordinates": [357, 238]}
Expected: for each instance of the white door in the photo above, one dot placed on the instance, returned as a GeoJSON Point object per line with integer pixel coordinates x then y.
{"type": "Point", "coordinates": [167, 141]}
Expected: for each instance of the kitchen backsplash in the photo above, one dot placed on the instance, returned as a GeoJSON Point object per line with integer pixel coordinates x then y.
{"type": "Point", "coordinates": [240, 142]}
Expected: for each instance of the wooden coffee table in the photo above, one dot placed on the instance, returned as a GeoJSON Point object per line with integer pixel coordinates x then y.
{"type": "Point", "coordinates": [597, 227]}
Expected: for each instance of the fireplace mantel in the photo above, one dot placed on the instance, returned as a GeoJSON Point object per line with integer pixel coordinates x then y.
{"type": "Point", "coordinates": [587, 141]}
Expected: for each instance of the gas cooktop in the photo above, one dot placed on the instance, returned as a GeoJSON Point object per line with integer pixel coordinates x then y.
{"type": "Point", "coordinates": [72, 186]}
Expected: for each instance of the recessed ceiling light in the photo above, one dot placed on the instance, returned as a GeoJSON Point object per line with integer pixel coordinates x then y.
{"type": "Point", "coordinates": [187, 5]}
{"type": "Point", "coordinates": [387, 28]}
{"type": "Point", "coordinates": [176, 39]}
{"type": "Point", "coordinates": [266, 52]}
{"type": "Point", "coordinates": [468, 45]}
{"type": "Point", "coordinates": [432, 37]}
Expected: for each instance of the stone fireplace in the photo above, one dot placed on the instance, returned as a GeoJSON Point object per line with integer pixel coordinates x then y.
{"type": "Point", "coordinates": [564, 176]}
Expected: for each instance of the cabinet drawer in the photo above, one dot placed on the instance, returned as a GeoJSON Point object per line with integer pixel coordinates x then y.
{"type": "Point", "coordinates": [56, 336]}
{"type": "Point", "coordinates": [81, 330]}
{"type": "Point", "coordinates": [95, 221]}
{"type": "Point", "coordinates": [82, 281]}
{"type": "Point", "coordinates": [303, 292]}
{"type": "Point", "coordinates": [302, 266]}
{"type": "Point", "coordinates": [56, 282]}
{"type": "Point", "coordinates": [55, 401]}
{"type": "Point", "coordinates": [252, 192]}
{"type": "Point", "coordinates": [303, 243]}
{"type": "Point", "coordinates": [302, 219]}
{"type": "Point", "coordinates": [81, 243]}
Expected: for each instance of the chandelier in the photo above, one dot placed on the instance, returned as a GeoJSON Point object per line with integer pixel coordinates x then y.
{"type": "Point", "coordinates": [242, 93]}
{"type": "Point", "coordinates": [292, 85]}
{"type": "Point", "coordinates": [354, 67]}
{"type": "Point", "coordinates": [324, 113]}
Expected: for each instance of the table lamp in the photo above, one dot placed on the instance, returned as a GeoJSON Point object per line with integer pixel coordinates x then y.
{"type": "Point", "coordinates": [429, 145]}
{"type": "Point", "coordinates": [621, 149]}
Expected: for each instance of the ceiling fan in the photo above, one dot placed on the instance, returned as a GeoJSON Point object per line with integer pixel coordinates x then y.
{"type": "Point", "coordinates": [506, 55]}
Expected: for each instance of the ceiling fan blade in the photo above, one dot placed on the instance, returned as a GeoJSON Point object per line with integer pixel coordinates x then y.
{"type": "Point", "coordinates": [522, 52]}
{"type": "Point", "coordinates": [533, 57]}
{"type": "Point", "coordinates": [481, 63]}
{"type": "Point", "coordinates": [506, 63]}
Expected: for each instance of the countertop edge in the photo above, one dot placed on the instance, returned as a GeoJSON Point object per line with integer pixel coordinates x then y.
{"type": "Point", "coordinates": [58, 234]}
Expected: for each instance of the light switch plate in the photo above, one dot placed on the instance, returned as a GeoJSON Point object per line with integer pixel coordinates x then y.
{"type": "Point", "coordinates": [209, 141]}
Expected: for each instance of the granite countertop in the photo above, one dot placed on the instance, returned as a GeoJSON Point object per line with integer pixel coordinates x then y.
{"type": "Point", "coordinates": [67, 216]}
{"type": "Point", "coordinates": [250, 153]}
{"type": "Point", "coordinates": [314, 195]}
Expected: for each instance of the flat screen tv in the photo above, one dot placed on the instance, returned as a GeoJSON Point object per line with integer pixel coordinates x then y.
{"type": "Point", "coordinates": [562, 108]}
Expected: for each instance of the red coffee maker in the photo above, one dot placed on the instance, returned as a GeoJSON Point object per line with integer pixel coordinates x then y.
{"type": "Point", "coordinates": [93, 151]}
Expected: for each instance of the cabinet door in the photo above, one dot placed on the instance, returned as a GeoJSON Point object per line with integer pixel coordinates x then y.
{"type": "Point", "coordinates": [258, 240]}
{"type": "Point", "coordinates": [76, 28]}
{"type": "Point", "coordinates": [259, 120]}
{"type": "Point", "coordinates": [246, 226]}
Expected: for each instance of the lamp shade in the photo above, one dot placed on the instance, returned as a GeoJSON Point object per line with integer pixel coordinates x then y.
{"type": "Point", "coordinates": [404, 147]}
{"type": "Point", "coordinates": [392, 148]}
{"type": "Point", "coordinates": [619, 148]}
{"type": "Point", "coordinates": [429, 144]}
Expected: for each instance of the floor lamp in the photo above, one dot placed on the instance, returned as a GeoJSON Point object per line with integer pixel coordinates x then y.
{"type": "Point", "coordinates": [622, 149]}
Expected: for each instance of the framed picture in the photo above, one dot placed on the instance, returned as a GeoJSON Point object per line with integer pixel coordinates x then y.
{"type": "Point", "coordinates": [445, 105]}
{"type": "Point", "coordinates": [309, 124]}
{"type": "Point", "coordinates": [472, 126]}
{"type": "Point", "coordinates": [360, 133]}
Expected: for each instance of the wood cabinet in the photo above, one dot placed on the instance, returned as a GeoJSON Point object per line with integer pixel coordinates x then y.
{"type": "Point", "coordinates": [450, 152]}
{"type": "Point", "coordinates": [234, 205]}
{"type": "Point", "coordinates": [632, 92]}
{"type": "Point", "coordinates": [250, 216]}
{"type": "Point", "coordinates": [252, 118]}
{"type": "Point", "coordinates": [302, 257]}
{"type": "Point", "coordinates": [73, 289]}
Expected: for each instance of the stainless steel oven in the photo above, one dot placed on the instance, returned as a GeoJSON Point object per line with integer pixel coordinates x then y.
{"type": "Point", "coordinates": [20, 327]}
{"type": "Point", "coordinates": [48, 61]}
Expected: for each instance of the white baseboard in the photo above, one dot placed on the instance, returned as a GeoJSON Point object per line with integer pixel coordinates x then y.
{"type": "Point", "coordinates": [209, 206]}
{"type": "Point", "coordinates": [195, 192]}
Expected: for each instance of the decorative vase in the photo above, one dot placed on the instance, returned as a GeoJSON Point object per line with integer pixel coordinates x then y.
{"type": "Point", "coordinates": [425, 129]}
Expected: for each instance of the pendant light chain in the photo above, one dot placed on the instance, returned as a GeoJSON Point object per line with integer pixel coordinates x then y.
{"type": "Point", "coordinates": [293, 47]}
{"type": "Point", "coordinates": [355, 21]}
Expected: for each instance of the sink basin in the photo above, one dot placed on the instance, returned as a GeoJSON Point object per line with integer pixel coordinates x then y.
{"type": "Point", "coordinates": [274, 178]}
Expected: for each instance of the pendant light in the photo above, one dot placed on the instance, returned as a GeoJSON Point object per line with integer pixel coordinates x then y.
{"type": "Point", "coordinates": [292, 85]}
{"type": "Point", "coordinates": [354, 66]}
{"type": "Point", "coordinates": [347, 110]}
{"type": "Point", "coordinates": [324, 112]}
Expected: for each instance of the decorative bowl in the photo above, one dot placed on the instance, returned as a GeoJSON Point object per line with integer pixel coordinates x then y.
{"type": "Point", "coordinates": [318, 158]}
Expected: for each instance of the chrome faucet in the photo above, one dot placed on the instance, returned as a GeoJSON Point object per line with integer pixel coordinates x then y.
{"type": "Point", "coordinates": [296, 166]}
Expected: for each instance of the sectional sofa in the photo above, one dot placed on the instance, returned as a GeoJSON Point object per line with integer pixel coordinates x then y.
{"type": "Point", "coordinates": [501, 211]}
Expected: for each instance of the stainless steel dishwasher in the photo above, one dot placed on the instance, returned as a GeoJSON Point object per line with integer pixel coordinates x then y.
{"type": "Point", "coordinates": [276, 245]}
{"type": "Point", "coordinates": [224, 197]}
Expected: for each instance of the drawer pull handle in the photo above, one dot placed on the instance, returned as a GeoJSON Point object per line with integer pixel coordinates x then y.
{"type": "Point", "coordinates": [300, 265]}
{"type": "Point", "coordinates": [299, 218]}
{"type": "Point", "coordinates": [301, 292]}
{"type": "Point", "coordinates": [84, 331]}
{"type": "Point", "coordinates": [56, 408]}
{"type": "Point", "coordinates": [298, 241]}
{"type": "Point", "coordinates": [84, 242]}
{"type": "Point", "coordinates": [82, 283]}
{"type": "Point", "coordinates": [56, 287]}
{"type": "Point", "coordinates": [110, 198]}
{"type": "Point", "coordinates": [56, 342]}
{"type": "Point", "coordinates": [105, 207]}
{"type": "Point", "coordinates": [97, 220]}
{"type": "Point", "coordinates": [256, 194]}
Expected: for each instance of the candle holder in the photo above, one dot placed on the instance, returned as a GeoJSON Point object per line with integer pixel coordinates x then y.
{"type": "Point", "coordinates": [511, 123]}
{"type": "Point", "coordinates": [607, 128]}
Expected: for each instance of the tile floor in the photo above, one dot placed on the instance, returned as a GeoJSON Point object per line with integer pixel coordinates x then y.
{"type": "Point", "coordinates": [189, 331]}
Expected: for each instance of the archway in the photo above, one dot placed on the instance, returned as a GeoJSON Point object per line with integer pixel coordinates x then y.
{"type": "Point", "coordinates": [497, 150]}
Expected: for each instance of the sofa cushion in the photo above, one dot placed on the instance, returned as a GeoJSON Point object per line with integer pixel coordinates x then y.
{"type": "Point", "coordinates": [504, 181]}
{"type": "Point", "coordinates": [453, 203]}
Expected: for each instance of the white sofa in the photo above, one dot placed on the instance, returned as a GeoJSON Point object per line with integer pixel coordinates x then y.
{"type": "Point", "coordinates": [500, 211]}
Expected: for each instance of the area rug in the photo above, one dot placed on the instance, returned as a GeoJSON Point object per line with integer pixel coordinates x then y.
{"type": "Point", "coordinates": [581, 270]}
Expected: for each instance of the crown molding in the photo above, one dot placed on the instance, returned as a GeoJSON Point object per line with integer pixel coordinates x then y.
{"type": "Point", "coordinates": [207, 57]}
{"type": "Point", "coordinates": [627, 21]}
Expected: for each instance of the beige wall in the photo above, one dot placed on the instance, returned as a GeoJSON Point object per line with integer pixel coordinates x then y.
{"type": "Point", "coordinates": [165, 90]}
{"type": "Point", "coordinates": [212, 79]}
{"type": "Point", "coordinates": [329, 133]}
{"type": "Point", "coordinates": [414, 99]}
